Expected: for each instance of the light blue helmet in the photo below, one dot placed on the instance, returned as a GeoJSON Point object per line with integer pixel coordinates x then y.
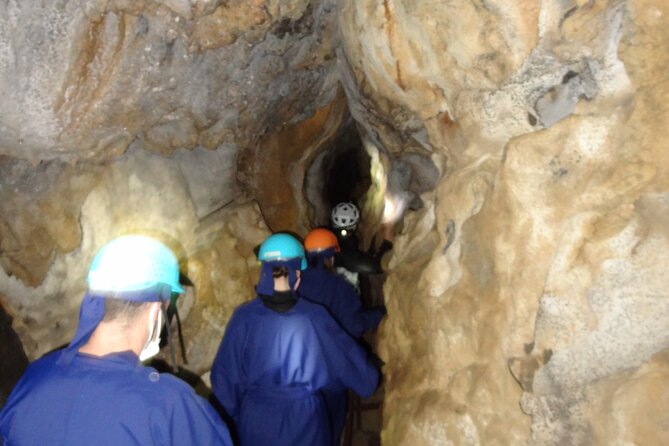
{"type": "Point", "coordinates": [282, 247]}
{"type": "Point", "coordinates": [133, 263]}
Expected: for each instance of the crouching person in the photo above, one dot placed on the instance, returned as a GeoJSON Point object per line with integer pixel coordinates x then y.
{"type": "Point", "coordinates": [280, 352]}
{"type": "Point", "coordinates": [96, 391]}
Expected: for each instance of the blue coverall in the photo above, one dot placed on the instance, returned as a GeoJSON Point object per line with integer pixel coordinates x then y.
{"type": "Point", "coordinates": [330, 290]}
{"type": "Point", "coordinates": [271, 369]}
{"type": "Point", "coordinates": [108, 400]}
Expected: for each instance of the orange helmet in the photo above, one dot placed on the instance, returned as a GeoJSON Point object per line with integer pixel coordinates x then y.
{"type": "Point", "coordinates": [320, 239]}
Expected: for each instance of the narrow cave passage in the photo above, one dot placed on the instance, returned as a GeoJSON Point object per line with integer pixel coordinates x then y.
{"type": "Point", "coordinates": [346, 169]}
{"type": "Point", "coordinates": [342, 172]}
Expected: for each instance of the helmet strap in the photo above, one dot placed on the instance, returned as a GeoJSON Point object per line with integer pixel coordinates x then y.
{"type": "Point", "coordinates": [170, 343]}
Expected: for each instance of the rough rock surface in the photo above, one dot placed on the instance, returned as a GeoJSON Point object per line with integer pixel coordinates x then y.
{"type": "Point", "coordinates": [124, 116]}
{"type": "Point", "coordinates": [549, 219]}
{"type": "Point", "coordinates": [150, 194]}
{"type": "Point", "coordinates": [527, 290]}
{"type": "Point", "coordinates": [86, 79]}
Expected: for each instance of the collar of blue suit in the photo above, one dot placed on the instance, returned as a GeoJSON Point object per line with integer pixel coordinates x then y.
{"type": "Point", "coordinates": [92, 311]}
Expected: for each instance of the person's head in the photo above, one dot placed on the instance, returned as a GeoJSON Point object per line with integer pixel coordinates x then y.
{"type": "Point", "coordinates": [134, 275]}
{"type": "Point", "coordinates": [282, 258]}
{"type": "Point", "coordinates": [321, 245]}
{"type": "Point", "coordinates": [345, 217]}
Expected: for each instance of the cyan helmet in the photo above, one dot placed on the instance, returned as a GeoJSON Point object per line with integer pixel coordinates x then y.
{"type": "Point", "coordinates": [281, 247]}
{"type": "Point", "coordinates": [133, 263]}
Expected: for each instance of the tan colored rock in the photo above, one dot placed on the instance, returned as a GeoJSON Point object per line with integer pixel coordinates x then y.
{"type": "Point", "coordinates": [626, 396]}
{"type": "Point", "coordinates": [39, 215]}
{"type": "Point", "coordinates": [544, 120]}
{"type": "Point", "coordinates": [139, 193]}
{"type": "Point", "coordinates": [275, 174]}
{"type": "Point", "coordinates": [224, 269]}
{"type": "Point", "coordinates": [228, 22]}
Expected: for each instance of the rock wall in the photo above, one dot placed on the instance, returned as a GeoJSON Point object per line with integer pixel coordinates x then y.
{"type": "Point", "coordinates": [140, 116]}
{"type": "Point", "coordinates": [542, 314]}
{"type": "Point", "coordinates": [86, 79]}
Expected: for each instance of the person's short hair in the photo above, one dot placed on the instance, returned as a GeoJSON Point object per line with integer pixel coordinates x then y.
{"type": "Point", "coordinates": [122, 310]}
{"type": "Point", "coordinates": [279, 271]}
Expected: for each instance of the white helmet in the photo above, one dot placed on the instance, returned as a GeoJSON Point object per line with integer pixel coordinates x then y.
{"type": "Point", "coordinates": [345, 215]}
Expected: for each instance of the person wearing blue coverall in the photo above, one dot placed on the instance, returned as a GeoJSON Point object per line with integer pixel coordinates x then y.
{"type": "Point", "coordinates": [279, 352]}
{"type": "Point", "coordinates": [96, 390]}
{"type": "Point", "coordinates": [320, 284]}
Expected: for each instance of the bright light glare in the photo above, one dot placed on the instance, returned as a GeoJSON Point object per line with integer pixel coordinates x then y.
{"type": "Point", "coordinates": [393, 208]}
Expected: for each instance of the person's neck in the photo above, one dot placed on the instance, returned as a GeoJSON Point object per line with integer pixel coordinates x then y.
{"type": "Point", "coordinates": [114, 337]}
{"type": "Point", "coordinates": [281, 284]}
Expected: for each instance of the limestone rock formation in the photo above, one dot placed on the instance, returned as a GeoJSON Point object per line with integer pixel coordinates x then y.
{"type": "Point", "coordinates": [122, 116]}
{"type": "Point", "coordinates": [527, 289]}
{"type": "Point", "coordinates": [86, 79]}
{"type": "Point", "coordinates": [541, 116]}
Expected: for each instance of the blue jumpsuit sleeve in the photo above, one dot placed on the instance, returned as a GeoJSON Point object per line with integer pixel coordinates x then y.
{"type": "Point", "coordinates": [192, 421]}
{"type": "Point", "coordinates": [349, 310]}
{"type": "Point", "coordinates": [347, 361]}
{"type": "Point", "coordinates": [226, 373]}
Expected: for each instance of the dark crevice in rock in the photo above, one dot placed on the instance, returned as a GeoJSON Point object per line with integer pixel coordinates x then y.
{"type": "Point", "coordinates": [340, 172]}
{"type": "Point", "coordinates": [14, 360]}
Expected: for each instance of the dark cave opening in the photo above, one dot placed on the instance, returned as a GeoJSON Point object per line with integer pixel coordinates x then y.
{"type": "Point", "coordinates": [346, 169]}
{"type": "Point", "coordinates": [13, 359]}
{"type": "Point", "coordinates": [340, 172]}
